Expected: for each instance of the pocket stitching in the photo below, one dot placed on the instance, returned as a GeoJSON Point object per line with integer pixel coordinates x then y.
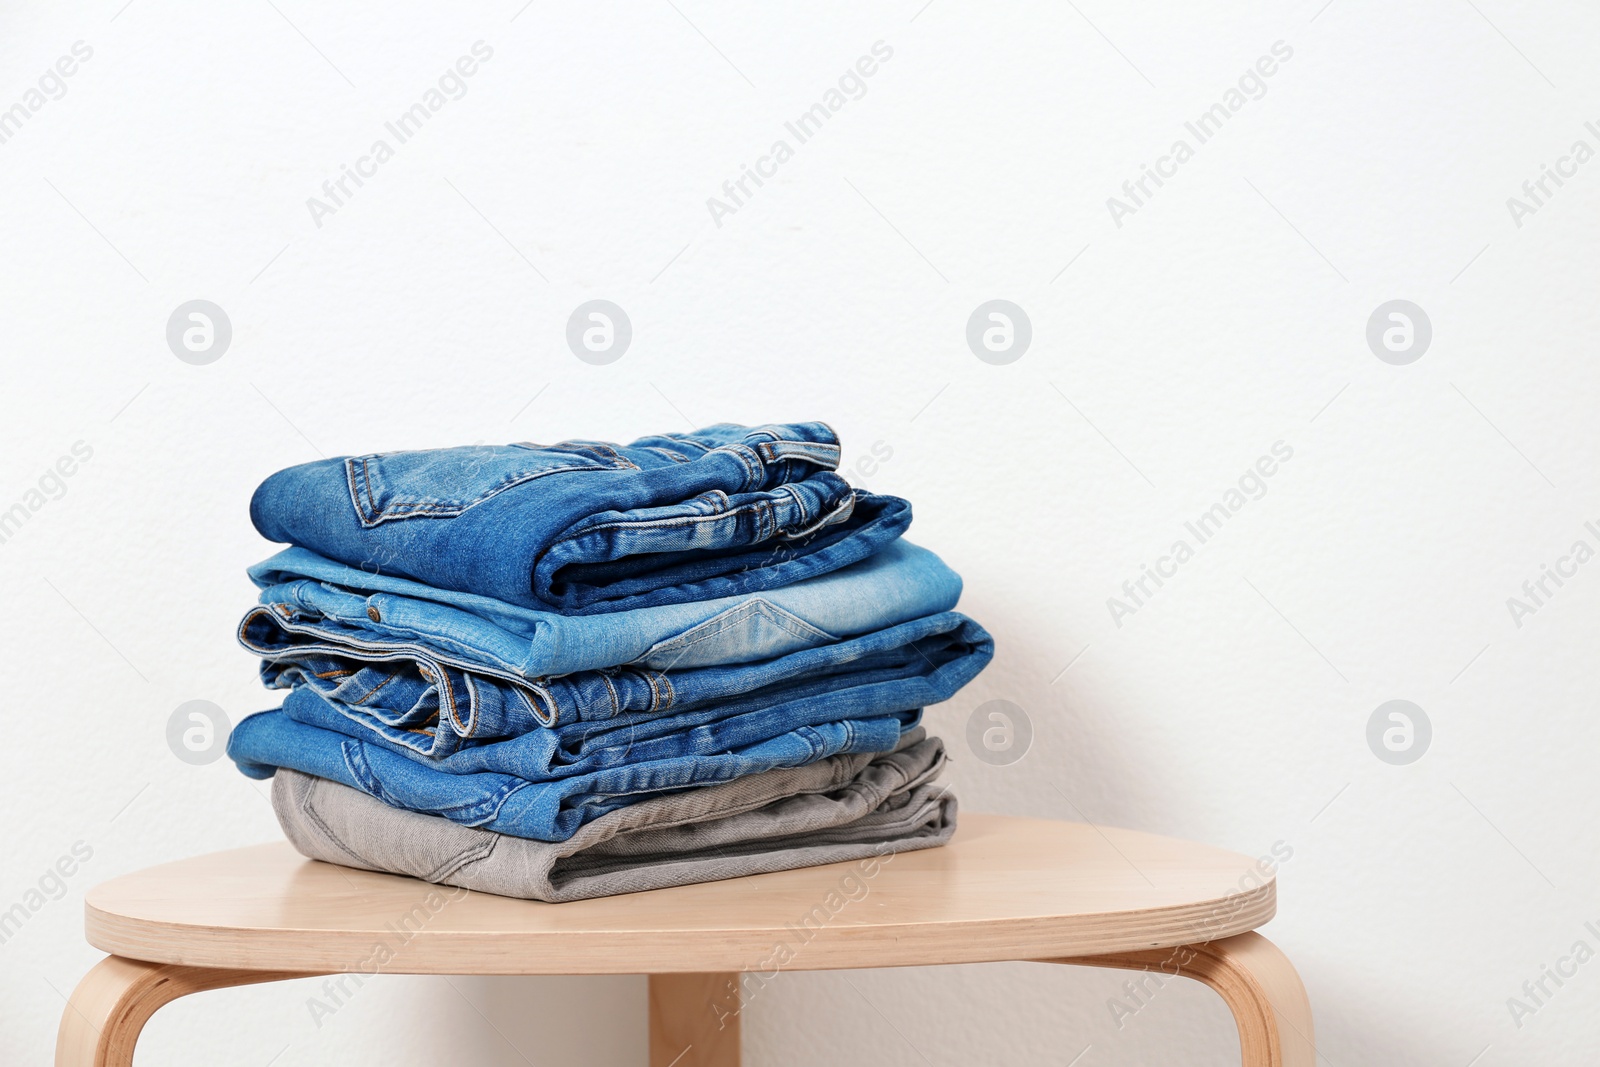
{"type": "Point", "coordinates": [781, 617]}
{"type": "Point", "coordinates": [355, 762]}
{"type": "Point", "coordinates": [370, 515]}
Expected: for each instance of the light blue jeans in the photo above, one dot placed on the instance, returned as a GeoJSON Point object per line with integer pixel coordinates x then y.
{"type": "Point", "coordinates": [314, 600]}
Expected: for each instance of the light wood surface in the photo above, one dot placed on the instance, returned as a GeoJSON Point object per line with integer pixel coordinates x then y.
{"type": "Point", "coordinates": [1004, 889]}
{"type": "Point", "coordinates": [1254, 978]}
{"type": "Point", "coordinates": [114, 1000]}
{"type": "Point", "coordinates": [694, 1020]}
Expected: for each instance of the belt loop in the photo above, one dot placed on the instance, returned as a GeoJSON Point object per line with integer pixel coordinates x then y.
{"type": "Point", "coordinates": [838, 514]}
{"type": "Point", "coordinates": [822, 455]}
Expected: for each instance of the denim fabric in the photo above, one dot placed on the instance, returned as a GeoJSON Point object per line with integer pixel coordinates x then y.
{"type": "Point", "coordinates": [841, 808]}
{"type": "Point", "coordinates": [585, 526]}
{"type": "Point", "coordinates": [424, 706]}
{"type": "Point", "coordinates": [896, 681]}
{"type": "Point", "coordinates": [507, 803]}
{"type": "Point", "coordinates": [317, 601]}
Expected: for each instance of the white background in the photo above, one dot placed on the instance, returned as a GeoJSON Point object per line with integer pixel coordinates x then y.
{"type": "Point", "coordinates": [1227, 314]}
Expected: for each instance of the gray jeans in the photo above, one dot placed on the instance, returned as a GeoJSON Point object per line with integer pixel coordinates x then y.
{"type": "Point", "coordinates": [842, 808]}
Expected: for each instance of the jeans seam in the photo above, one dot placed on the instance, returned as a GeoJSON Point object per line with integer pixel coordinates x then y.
{"type": "Point", "coordinates": [471, 725]}
{"type": "Point", "coordinates": [303, 802]}
{"type": "Point", "coordinates": [754, 470]}
{"type": "Point", "coordinates": [687, 520]}
{"type": "Point", "coordinates": [371, 692]}
{"type": "Point", "coordinates": [356, 763]}
{"type": "Point", "coordinates": [399, 512]}
{"type": "Point", "coordinates": [480, 851]}
{"type": "Point", "coordinates": [364, 651]}
{"type": "Point", "coordinates": [780, 617]}
{"type": "Point", "coordinates": [623, 462]}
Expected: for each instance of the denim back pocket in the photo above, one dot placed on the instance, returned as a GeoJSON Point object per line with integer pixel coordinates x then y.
{"type": "Point", "coordinates": [466, 799]}
{"type": "Point", "coordinates": [755, 629]}
{"type": "Point", "coordinates": [442, 483]}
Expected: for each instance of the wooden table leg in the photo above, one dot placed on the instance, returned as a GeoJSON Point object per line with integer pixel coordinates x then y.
{"type": "Point", "coordinates": [113, 1002]}
{"type": "Point", "coordinates": [694, 1020]}
{"type": "Point", "coordinates": [1256, 981]}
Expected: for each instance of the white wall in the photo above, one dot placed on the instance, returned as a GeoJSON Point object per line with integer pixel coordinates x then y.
{"type": "Point", "coordinates": [1228, 313]}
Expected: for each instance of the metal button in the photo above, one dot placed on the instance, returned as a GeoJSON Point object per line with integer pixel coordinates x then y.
{"type": "Point", "coordinates": [372, 613]}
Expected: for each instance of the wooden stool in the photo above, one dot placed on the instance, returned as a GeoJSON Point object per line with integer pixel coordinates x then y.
{"type": "Point", "coordinates": [1004, 889]}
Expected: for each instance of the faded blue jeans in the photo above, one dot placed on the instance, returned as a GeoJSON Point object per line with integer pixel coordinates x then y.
{"type": "Point", "coordinates": [417, 704]}
{"type": "Point", "coordinates": [546, 783]}
{"type": "Point", "coordinates": [310, 600]}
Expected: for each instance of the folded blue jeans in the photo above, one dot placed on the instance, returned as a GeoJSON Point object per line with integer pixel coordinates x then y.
{"type": "Point", "coordinates": [922, 676]}
{"type": "Point", "coordinates": [543, 811]}
{"type": "Point", "coordinates": [419, 705]}
{"type": "Point", "coordinates": [319, 601]}
{"type": "Point", "coordinates": [586, 526]}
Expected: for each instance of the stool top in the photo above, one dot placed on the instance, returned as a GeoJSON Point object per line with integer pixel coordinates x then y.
{"type": "Point", "coordinates": [1004, 889]}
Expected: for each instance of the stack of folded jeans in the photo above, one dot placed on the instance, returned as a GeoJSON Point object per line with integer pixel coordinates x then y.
{"type": "Point", "coordinates": [566, 671]}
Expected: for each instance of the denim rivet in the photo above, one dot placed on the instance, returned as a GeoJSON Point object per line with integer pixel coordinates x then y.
{"type": "Point", "coordinates": [372, 613]}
